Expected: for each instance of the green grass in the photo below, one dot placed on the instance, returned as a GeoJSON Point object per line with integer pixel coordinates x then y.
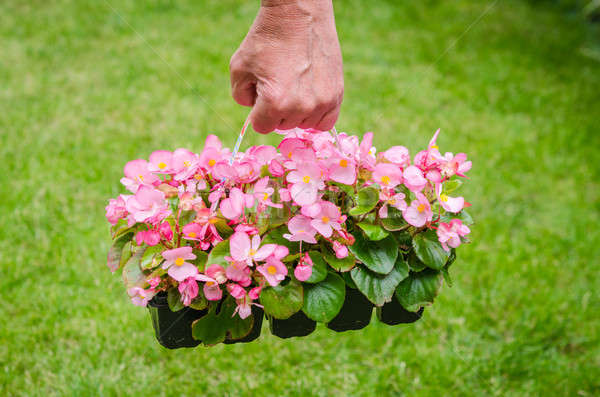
{"type": "Point", "coordinates": [81, 93]}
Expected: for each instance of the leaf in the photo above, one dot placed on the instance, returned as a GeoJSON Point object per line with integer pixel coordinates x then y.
{"type": "Point", "coordinates": [378, 288]}
{"type": "Point", "coordinates": [132, 273]}
{"type": "Point", "coordinates": [348, 189]}
{"type": "Point", "coordinates": [463, 215]}
{"type": "Point", "coordinates": [419, 289]}
{"type": "Point", "coordinates": [373, 232]}
{"type": "Point", "coordinates": [446, 269]}
{"type": "Point", "coordinates": [323, 301]}
{"type": "Point", "coordinates": [174, 300]}
{"type": "Point", "coordinates": [283, 300]}
{"type": "Point", "coordinates": [223, 228]}
{"type": "Point", "coordinates": [201, 259]}
{"type": "Point", "coordinates": [275, 236]}
{"type": "Point", "coordinates": [116, 250]}
{"type": "Point", "coordinates": [450, 186]}
{"type": "Point", "coordinates": [414, 263]}
{"type": "Point", "coordinates": [186, 217]}
{"type": "Point", "coordinates": [404, 239]}
{"type": "Point", "coordinates": [366, 200]}
{"type": "Point", "coordinates": [126, 253]}
{"type": "Point", "coordinates": [429, 250]}
{"type": "Point", "coordinates": [341, 265]}
{"type": "Point", "coordinates": [378, 256]}
{"type": "Point", "coordinates": [199, 302]}
{"type": "Point", "coordinates": [394, 220]}
{"type": "Point", "coordinates": [152, 257]}
{"type": "Point", "coordinates": [218, 253]}
{"type": "Point", "coordinates": [214, 327]}
{"type": "Point", "coordinates": [319, 269]}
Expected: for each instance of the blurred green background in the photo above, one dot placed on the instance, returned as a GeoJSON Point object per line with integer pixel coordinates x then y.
{"type": "Point", "coordinates": [515, 84]}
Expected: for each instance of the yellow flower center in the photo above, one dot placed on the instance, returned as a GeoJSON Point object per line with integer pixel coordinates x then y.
{"type": "Point", "coordinates": [271, 270]}
{"type": "Point", "coordinates": [343, 163]}
{"type": "Point", "coordinates": [186, 163]}
{"type": "Point", "coordinates": [265, 196]}
{"type": "Point", "coordinates": [210, 283]}
{"type": "Point", "coordinates": [443, 197]}
{"type": "Point", "coordinates": [252, 252]}
{"type": "Point", "coordinates": [212, 221]}
{"type": "Point", "coordinates": [212, 162]}
{"type": "Point", "coordinates": [434, 147]}
{"type": "Point", "coordinates": [301, 231]}
{"type": "Point", "coordinates": [179, 261]}
{"type": "Point", "coordinates": [325, 219]}
{"type": "Point", "coordinates": [141, 177]}
{"type": "Point", "coordinates": [192, 234]}
{"type": "Point", "coordinates": [421, 207]}
{"type": "Point", "coordinates": [162, 165]}
{"type": "Point", "coordinates": [289, 155]}
{"type": "Point", "coordinates": [306, 179]}
{"type": "Point", "coordinates": [385, 180]}
{"type": "Point", "coordinates": [391, 202]}
{"type": "Point", "coordinates": [197, 177]}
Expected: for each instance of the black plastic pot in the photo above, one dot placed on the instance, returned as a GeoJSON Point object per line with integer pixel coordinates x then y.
{"type": "Point", "coordinates": [257, 313]}
{"type": "Point", "coordinates": [173, 329]}
{"type": "Point", "coordinates": [297, 325]}
{"type": "Point", "coordinates": [355, 313]}
{"type": "Point", "coordinates": [392, 313]}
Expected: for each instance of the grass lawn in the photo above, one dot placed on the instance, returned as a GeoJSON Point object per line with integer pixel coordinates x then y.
{"type": "Point", "coordinates": [81, 93]}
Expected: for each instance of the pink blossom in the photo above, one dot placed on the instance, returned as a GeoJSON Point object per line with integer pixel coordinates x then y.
{"type": "Point", "coordinates": [150, 237]}
{"type": "Point", "coordinates": [185, 164]}
{"type": "Point", "coordinates": [289, 145]}
{"type": "Point", "coordinates": [263, 154]}
{"type": "Point", "coordinates": [136, 174]}
{"type": "Point", "coordinates": [236, 291]}
{"type": "Point", "coordinates": [175, 261]}
{"type": "Point", "coordinates": [154, 281]}
{"type": "Point", "coordinates": [239, 272]}
{"type": "Point", "coordinates": [367, 152]}
{"type": "Point", "coordinates": [254, 293]}
{"type": "Point", "coordinates": [398, 155]}
{"type": "Point", "coordinates": [434, 176]}
{"type": "Point", "coordinates": [116, 209]}
{"type": "Point", "coordinates": [217, 273]}
{"type": "Point", "coordinates": [147, 204]}
{"type": "Point", "coordinates": [285, 195]}
{"type": "Point", "coordinates": [306, 181]}
{"type": "Point", "coordinates": [327, 219]}
{"type": "Point", "coordinates": [188, 289]}
{"type": "Point", "coordinates": [388, 197]}
{"type": "Point", "coordinates": [341, 251]}
{"type": "Point", "coordinates": [140, 296]}
{"type": "Point", "coordinates": [193, 231]}
{"type": "Point", "coordinates": [342, 170]}
{"type": "Point", "coordinates": [209, 157]}
{"type": "Point", "coordinates": [233, 206]}
{"type": "Point", "coordinates": [450, 234]}
{"type": "Point", "coordinates": [274, 271]}
{"type": "Point", "coordinates": [450, 204]}
{"type": "Point", "coordinates": [166, 231]}
{"type": "Point", "coordinates": [454, 165]}
{"type": "Point", "coordinates": [303, 272]}
{"type": "Point", "coordinates": [262, 193]}
{"type": "Point", "coordinates": [418, 213]}
{"type": "Point", "coordinates": [387, 175]}
{"type": "Point", "coordinates": [244, 250]}
{"type": "Point", "coordinates": [276, 169]}
{"type": "Point", "coordinates": [301, 230]}
{"type": "Point", "coordinates": [161, 161]}
{"type": "Point", "coordinates": [414, 179]}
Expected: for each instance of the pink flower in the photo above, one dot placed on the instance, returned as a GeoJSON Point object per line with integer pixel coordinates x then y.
{"type": "Point", "coordinates": [306, 181]}
{"type": "Point", "coordinates": [254, 293]}
{"type": "Point", "coordinates": [116, 209]}
{"type": "Point", "coordinates": [342, 170]}
{"type": "Point", "coordinates": [140, 296]}
{"type": "Point", "coordinates": [147, 204]}
{"type": "Point", "coordinates": [301, 230]}
{"type": "Point", "coordinates": [414, 179]}
{"type": "Point", "coordinates": [450, 234]}
{"type": "Point", "coordinates": [289, 145]}
{"type": "Point", "coordinates": [185, 164]}
{"type": "Point", "coordinates": [209, 157]}
{"type": "Point", "coordinates": [233, 206]}
{"type": "Point", "coordinates": [276, 169]}
{"type": "Point", "coordinates": [239, 272]}
{"type": "Point", "coordinates": [263, 193]}
{"type": "Point", "coordinates": [341, 251]}
{"type": "Point", "coordinates": [398, 155]}
{"type": "Point", "coordinates": [212, 291]}
{"type": "Point", "coordinates": [136, 174]}
{"type": "Point", "coordinates": [419, 212]}
{"type": "Point", "coordinates": [367, 152]}
{"type": "Point", "coordinates": [454, 165]}
{"type": "Point", "coordinates": [161, 161]}
{"type": "Point", "coordinates": [188, 289]}
{"type": "Point", "coordinates": [263, 154]}
{"type": "Point", "coordinates": [387, 175]}
{"type": "Point", "coordinates": [285, 195]}
{"type": "Point", "coordinates": [175, 261]}
{"type": "Point", "coordinates": [327, 219]}
{"type": "Point", "coordinates": [236, 291]}
{"type": "Point", "coordinates": [150, 237]}
{"type": "Point", "coordinates": [243, 250]}
{"type": "Point", "coordinates": [166, 231]}
{"type": "Point", "coordinates": [193, 231]}
{"type": "Point", "coordinates": [154, 281]}
{"type": "Point", "coordinates": [274, 271]}
{"type": "Point", "coordinates": [217, 273]}
{"type": "Point", "coordinates": [395, 200]}
{"type": "Point", "coordinates": [450, 204]}
{"type": "Point", "coordinates": [303, 270]}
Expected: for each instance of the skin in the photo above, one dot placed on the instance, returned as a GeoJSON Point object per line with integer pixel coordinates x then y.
{"type": "Point", "coordinates": [289, 67]}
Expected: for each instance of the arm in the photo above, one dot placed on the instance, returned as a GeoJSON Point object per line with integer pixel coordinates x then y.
{"type": "Point", "coordinates": [289, 66]}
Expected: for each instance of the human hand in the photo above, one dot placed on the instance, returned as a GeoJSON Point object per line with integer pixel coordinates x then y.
{"type": "Point", "coordinates": [289, 67]}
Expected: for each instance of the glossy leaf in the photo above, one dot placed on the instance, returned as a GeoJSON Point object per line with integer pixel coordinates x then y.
{"type": "Point", "coordinates": [429, 250]}
{"type": "Point", "coordinates": [152, 257]}
{"type": "Point", "coordinates": [414, 263]}
{"type": "Point", "coordinates": [214, 327]}
{"type": "Point", "coordinates": [452, 185]}
{"type": "Point", "coordinates": [373, 232]}
{"type": "Point", "coordinates": [283, 300]}
{"type": "Point", "coordinates": [275, 236]}
{"type": "Point", "coordinates": [341, 265]}
{"type": "Point", "coordinates": [419, 289]}
{"type": "Point", "coordinates": [116, 250]}
{"type": "Point", "coordinates": [132, 273]}
{"type": "Point", "coordinates": [201, 259]}
{"type": "Point", "coordinates": [218, 254]}
{"type": "Point", "coordinates": [323, 301]}
{"type": "Point", "coordinates": [394, 220]}
{"type": "Point", "coordinates": [378, 256]}
{"type": "Point", "coordinates": [366, 199]}
{"type": "Point", "coordinates": [319, 269]}
{"type": "Point", "coordinates": [378, 288]}
{"type": "Point", "coordinates": [186, 217]}
{"type": "Point", "coordinates": [174, 300]}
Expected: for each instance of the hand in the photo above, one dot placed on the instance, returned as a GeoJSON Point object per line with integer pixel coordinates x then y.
{"type": "Point", "coordinates": [289, 67]}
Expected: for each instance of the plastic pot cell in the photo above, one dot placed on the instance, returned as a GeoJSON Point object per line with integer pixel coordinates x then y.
{"type": "Point", "coordinates": [173, 329]}
{"type": "Point", "coordinates": [257, 313]}
{"type": "Point", "coordinates": [355, 313]}
{"type": "Point", "coordinates": [392, 313]}
{"type": "Point", "coordinates": [297, 325]}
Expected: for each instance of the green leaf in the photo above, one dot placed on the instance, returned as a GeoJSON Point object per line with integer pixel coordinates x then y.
{"type": "Point", "coordinates": [201, 259]}
{"type": "Point", "coordinates": [341, 265]}
{"type": "Point", "coordinates": [152, 257]}
{"type": "Point", "coordinates": [186, 217]}
{"type": "Point", "coordinates": [275, 236]}
{"type": "Point", "coordinates": [429, 250]}
{"type": "Point", "coordinates": [132, 273]}
{"type": "Point", "coordinates": [373, 232]}
{"type": "Point", "coordinates": [414, 263]}
{"type": "Point", "coordinates": [126, 253]}
{"type": "Point", "coordinates": [214, 327]}
{"type": "Point", "coordinates": [450, 186]}
{"type": "Point", "coordinates": [223, 228]}
{"type": "Point", "coordinates": [348, 280]}
{"type": "Point", "coordinates": [378, 256]}
{"type": "Point", "coordinates": [116, 250]}
{"type": "Point", "coordinates": [323, 301]}
{"type": "Point", "coordinates": [319, 269]}
{"type": "Point", "coordinates": [199, 302]}
{"type": "Point", "coordinates": [218, 253]}
{"type": "Point", "coordinates": [283, 300]}
{"type": "Point", "coordinates": [174, 300]}
{"type": "Point", "coordinates": [464, 216]}
{"type": "Point", "coordinates": [378, 288]}
{"type": "Point", "coordinates": [404, 239]}
{"type": "Point", "coordinates": [394, 220]}
{"type": "Point", "coordinates": [366, 200]}
{"type": "Point", "coordinates": [419, 289]}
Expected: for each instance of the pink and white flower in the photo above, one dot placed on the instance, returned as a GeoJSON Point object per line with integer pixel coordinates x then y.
{"type": "Point", "coordinates": [147, 205]}
{"type": "Point", "coordinates": [306, 181]}
{"type": "Point", "coordinates": [450, 234]}
{"type": "Point", "coordinates": [414, 179]}
{"type": "Point", "coordinates": [136, 174]}
{"type": "Point", "coordinates": [301, 230]}
{"type": "Point", "coordinates": [388, 197]}
{"type": "Point", "coordinates": [161, 161]}
{"type": "Point", "coordinates": [188, 289]}
{"type": "Point", "coordinates": [274, 271]}
{"type": "Point", "coordinates": [327, 219]}
{"type": "Point", "coordinates": [418, 213]}
{"type": "Point", "coordinates": [175, 262]}
{"type": "Point", "coordinates": [244, 250]}
{"type": "Point", "coordinates": [450, 204]}
{"type": "Point", "coordinates": [387, 175]}
{"type": "Point", "coordinates": [140, 296]}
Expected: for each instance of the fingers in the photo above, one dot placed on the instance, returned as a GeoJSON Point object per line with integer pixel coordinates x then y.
{"type": "Point", "coordinates": [243, 84]}
{"type": "Point", "coordinates": [263, 116]}
{"type": "Point", "coordinates": [328, 120]}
